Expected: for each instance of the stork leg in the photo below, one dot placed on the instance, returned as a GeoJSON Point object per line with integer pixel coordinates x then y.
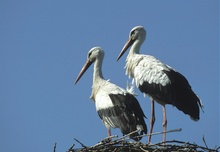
{"type": "Point", "coordinates": [152, 120]}
{"type": "Point", "coordinates": [109, 132]}
{"type": "Point", "coordinates": [164, 123]}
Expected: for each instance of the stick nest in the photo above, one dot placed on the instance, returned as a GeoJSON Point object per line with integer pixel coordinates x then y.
{"type": "Point", "coordinates": [122, 145]}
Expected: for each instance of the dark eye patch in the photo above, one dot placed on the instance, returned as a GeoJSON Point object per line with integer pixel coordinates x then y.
{"type": "Point", "coordinates": [132, 32]}
{"type": "Point", "coordinates": [89, 54]}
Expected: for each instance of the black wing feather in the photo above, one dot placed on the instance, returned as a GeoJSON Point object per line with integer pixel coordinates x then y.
{"type": "Point", "coordinates": [129, 111]}
{"type": "Point", "coordinates": [178, 93]}
{"type": "Point", "coordinates": [183, 96]}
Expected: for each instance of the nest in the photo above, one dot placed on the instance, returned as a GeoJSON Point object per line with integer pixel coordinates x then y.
{"type": "Point", "coordinates": [124, 144]}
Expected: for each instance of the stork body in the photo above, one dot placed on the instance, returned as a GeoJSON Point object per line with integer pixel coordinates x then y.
{"type": "Point", "coordinates": [116, 107]}
{"type": "Point", "coordinates": [158, 80]}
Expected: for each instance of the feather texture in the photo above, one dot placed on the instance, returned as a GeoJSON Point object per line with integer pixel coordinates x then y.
{"type": "Point", "coordinates": [163, 84]}
{"type": "Point", "coordinates": [115, 106]}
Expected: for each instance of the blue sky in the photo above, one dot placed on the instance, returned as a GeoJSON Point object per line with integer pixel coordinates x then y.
{"type": "Point", "coordinates": [44, 44]}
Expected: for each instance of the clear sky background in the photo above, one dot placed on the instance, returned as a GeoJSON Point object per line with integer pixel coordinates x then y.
{"type": "Point", "coordinates": [44, 44]}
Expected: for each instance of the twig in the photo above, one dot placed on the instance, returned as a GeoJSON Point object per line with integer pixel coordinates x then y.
{"type": "Point", "coordinates": [109, 138]}
{"type": "Point", "coordinates": [80, 143]}
{"type": "Point", "coordinates": [203, 138]}
{"type": "Point", "coordinates": [157, 133]}
{"type": "Point", "coordinates": [187, 144]}
{"type": "Point", "coordinates": [123, 137]}
{"type": "Point", "coordinates": [54, 147]}
{"type": "Point", "coordinates": [217, 148]}
{"type": "Point", "coordinates": [104, 141]}
{"type": "Point", "coordinates": [143, 149]}
{"type": "Point", "coordinates": [71, 148]}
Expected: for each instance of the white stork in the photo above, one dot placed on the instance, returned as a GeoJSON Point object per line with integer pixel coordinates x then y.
{"type": "Point", "coordinates": [115, 106]}
{"type": "Point", "coordinates": [158, 80]}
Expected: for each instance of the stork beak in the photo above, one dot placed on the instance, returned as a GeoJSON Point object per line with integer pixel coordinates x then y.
{"type": "Point", "coordinates": [83, 70]}
{"type": "Point", "coordinates": [126, 46]}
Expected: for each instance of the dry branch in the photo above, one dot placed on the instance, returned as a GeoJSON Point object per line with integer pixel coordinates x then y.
{"type": "Point", "coordinates": [54, 147]}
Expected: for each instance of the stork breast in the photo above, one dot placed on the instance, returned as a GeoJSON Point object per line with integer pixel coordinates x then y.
{"type": "Point", "coordinates": [102, 99]}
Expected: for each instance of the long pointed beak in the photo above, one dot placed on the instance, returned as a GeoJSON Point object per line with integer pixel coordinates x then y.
{"type": "Point", "coordinates": [83, 70]}
{"type": "Point", "coordinates": [126, 46]}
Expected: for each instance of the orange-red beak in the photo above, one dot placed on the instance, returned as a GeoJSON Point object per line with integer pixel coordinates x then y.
{"type": "Point", "coordinates": [126, 46]}
{"type": "Point", "coordinates": [83, 70]}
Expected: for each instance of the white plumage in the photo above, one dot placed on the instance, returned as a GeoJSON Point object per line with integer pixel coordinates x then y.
{"type": "Point", "coordinates": [158, 80]}
{"type": "Point", "coordinates": [149, 69]}
{"type": "Point", "coordinates": [104, 89]}
{"type": "Point", "coordinates": [116, 107]}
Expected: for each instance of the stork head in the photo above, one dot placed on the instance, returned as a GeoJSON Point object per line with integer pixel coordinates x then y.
{"type": "Point", "coordinates": [96, 53]}
{"type": "Point", "coordinates": [138, 33]}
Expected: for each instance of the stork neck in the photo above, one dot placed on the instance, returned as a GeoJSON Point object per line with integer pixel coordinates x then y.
{"type": "Point", "coordinates": [97, 75]}
{"type": "Point", "coordinates": [135, 48]}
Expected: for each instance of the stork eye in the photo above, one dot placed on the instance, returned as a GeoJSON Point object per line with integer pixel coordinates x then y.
{"type": "Point", "coordinates": [132, 32]}
{"type": "Point", "coordinates": [89, 54]}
